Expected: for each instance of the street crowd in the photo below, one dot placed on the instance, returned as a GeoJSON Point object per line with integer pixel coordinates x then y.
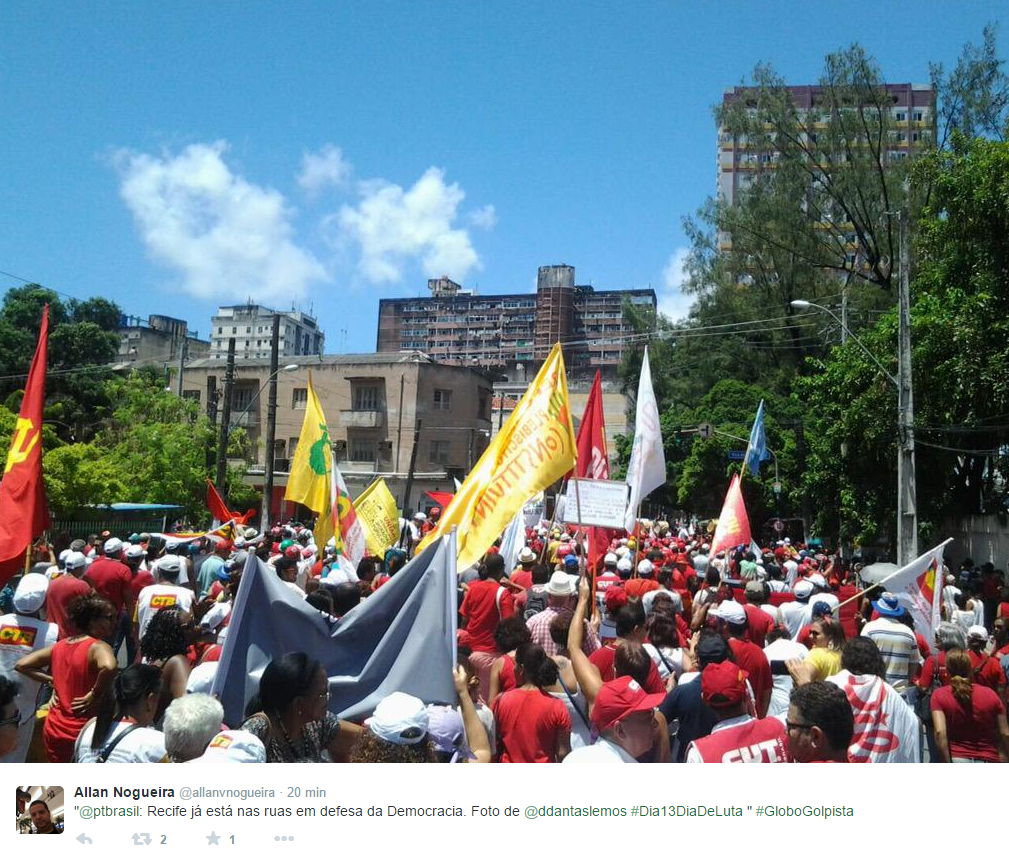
{"type": "Point", "coordinates": [661, 653]}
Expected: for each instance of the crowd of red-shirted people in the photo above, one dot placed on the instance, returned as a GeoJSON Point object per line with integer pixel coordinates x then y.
{"type": "Point", "coordinates": [662, 652]}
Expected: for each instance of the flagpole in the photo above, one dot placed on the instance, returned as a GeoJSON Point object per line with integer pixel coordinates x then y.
{"type": "Point", "coordinates": [883, 582]}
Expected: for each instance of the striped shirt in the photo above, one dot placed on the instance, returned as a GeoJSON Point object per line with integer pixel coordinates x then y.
{"type": "Point", "coordinates": [899, 649]}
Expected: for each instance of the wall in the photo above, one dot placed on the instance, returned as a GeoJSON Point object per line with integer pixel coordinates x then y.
{"type": "Point", "coordinates": [983, 537]}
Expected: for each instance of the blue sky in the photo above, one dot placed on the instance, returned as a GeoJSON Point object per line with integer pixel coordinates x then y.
{"type": "Point", "coordinates": [176, 156]}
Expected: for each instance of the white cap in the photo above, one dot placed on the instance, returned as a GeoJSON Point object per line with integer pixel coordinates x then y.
{"type": "Point", "coordinates": [30, 593]}
{"type": "Point", "coordinates": [803, 589]}
{"type": "Point", "coordinates": [234, 747]}
{"type": "Point", "coordinates": [624, 564]}
{"type": "Point", "coordinates": [420, 515]}
{"type": "Point", "coordinates": [63, 555]}
{"type": "Point", "coordinates": [201, 679]}
{"type": "Point", "coordinates": [645, 568]}
{"type": "Point", "coordinates": [75, 560]}
{"type": "Point", "coordinates": [135, 551]}
{"type": "Point", "coordinates": [215, 616]}
{"type": "Point", "coordinates": [731, 611]}
{"type": "Point", "coordinates": [565, 537]}
{"type": "Point", "coordinates": [113, 545]}
{"type": "Point", "coordinates": [610, 559]}
{"type": "Point", "coordinates": [168, 564]}
{"type": "Point", "coordinates": [817, 580]}
{"type": "Point", "coordinates": [399, 718]}
{"type": "Point", "coordinates": [977, 631]}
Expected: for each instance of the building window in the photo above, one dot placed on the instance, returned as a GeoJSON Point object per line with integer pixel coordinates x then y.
{"type": "Point", "coordinates": [191, 394]}
{"type": "Point", "coordinates": [292, 447]}
{"type": "Point", "coordinates": [362, 451]}
{"type": "Point", "coordinates": [443, 399]}
{"type": "Point", "coordinates": [366, 398]}
{"type": "Point", "coordinates": [900, 116]}
{"type": "Point", "coordinates": [299, 398]}
{"type": "Point", "coordinates": [484, 412]}
{"type": "Point", "coordinates": [439, 452]}
{"type": "Point", "coordinates": [918, 115]}
{"type": "Point", "coordinates": [220, 330]}
{"type": "Point", "coordinates": [234, 330]}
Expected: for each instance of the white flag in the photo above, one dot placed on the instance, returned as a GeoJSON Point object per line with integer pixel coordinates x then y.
{"type": "Point", "coordinates": [647, 468]}
{"type": "Point", "coordinates": [512, 542]}
{"type": "Point", "coordinates": [918, 586]}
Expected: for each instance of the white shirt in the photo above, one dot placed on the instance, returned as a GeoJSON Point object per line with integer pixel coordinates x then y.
{"type": "Point", "coordinates": [795, 615]}
{"type": "Point", "coordinates": [791, 572]}
{"type": "Point", "coordinates": [772, 611]}
{"type": "Point", "coordinates": [779, 651]}
{"type": "Point", "coordinates": [140, 746]}
{"type": "Point", "coordinates": [600, 752]}
{"type": "Point", "coordinates": [161, 596]}
{"type": "Point", "coordinates": [19, 636]}
{"type": "Point", "coordinates": [673, 656]}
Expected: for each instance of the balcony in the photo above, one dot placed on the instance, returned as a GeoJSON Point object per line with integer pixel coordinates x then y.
{"type": "Point", "coordinates": [249, 419]}
{"type": "Point", "coordinates": [362, 418]}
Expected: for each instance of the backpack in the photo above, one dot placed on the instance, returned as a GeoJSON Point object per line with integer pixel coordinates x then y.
{"type": "Point", "coordinates": [535, 604]}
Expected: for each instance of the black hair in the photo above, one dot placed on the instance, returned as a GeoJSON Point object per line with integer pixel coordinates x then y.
{"type": "Point", "coordinates": [84, 609]}
{"type": "Point", "coordinates": [285, 563]}
{"type": "Point", "coordinates": [826, 706]}
{"type": "Point", "coordinates": [165, 637]}
{"type": "Point", "coordinates": [38, 802]}
{"type": "Point", "coordinates": [321, 600]}
{"type": "Point", "coordinates": [8, 690]}
{"type": "Point", "coordinates": [367, 568]}
{"type": "Point", "coordinates": [861, 656]}
{"type": "Point", "coordinates": [541, 574]}
{"type": "Point", "coordinates": [632, 659]}
{"type": "Point", "coordinates": [132, 684]}
{"type": "Point", "coordinates": [345, 597]}
{"type": "Point", "coordinates": [538, 668]}
{"type": "Point", "coordinates": [493, 567]}
{"type": "Point", "coordinates": [510, 634]}
{"type": "Point", "coordinates": [712, 648]}
{"type": "Point", "coordinates": [712, 577]}
{"type": "Point", "coordinates": [629, 618]}
{"type": "Point", "coordinates": [559, 628]}
{"type": "Point", "coordinates": [284, 680]}
{"type": "Point", "coordinates": [662, 632]}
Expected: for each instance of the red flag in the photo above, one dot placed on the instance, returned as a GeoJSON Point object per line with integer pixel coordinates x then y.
{"type": "Point", "coordinates": [593, 461]}
{"type": "Point", "coordinates": [733, 525]}
{"type": "Point", "coordinates": [220, 510]}
{"type": "Point", "coordinates": [24, 514]}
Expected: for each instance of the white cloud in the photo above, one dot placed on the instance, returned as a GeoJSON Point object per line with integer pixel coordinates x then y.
{"type": "Point", "coordinates": [483, 218]}
{"type": "Point", "coordinates": [325, 168]}
{"type": "Point", "coordinates": [671, 299]}
{"type": "Point", "coordinates": [226, 237]}
{"type": "Point", "coordinates": [394, 226]}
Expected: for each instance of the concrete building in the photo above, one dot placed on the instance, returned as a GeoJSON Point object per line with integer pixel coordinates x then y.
{"type": "Point", "coordinates": [373, 403]}
{"type": "Point", "coordinates": [497, 330]}
{"type": "Point", "coordinates": [158, 340]}
{"type": "Point", "coordinates": [251, 326]}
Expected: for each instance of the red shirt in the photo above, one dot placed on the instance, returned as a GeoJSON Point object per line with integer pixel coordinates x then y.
{"type": "Point", "coordinates": [971, 731]}
{"type": "Point", "coordinates": [61, 591]}
{"type": "Point", "coordinates": [638, 587]}
{"type": "Point", "coordinates": [528, 725]}
{"type": "Point", "coordinates": [142, 580]}
{"type": "Point", "coordinates": [485, 604]}
{"type": "Point", "coordinates": [752, 659]}
{"type": "Point", "coordinates": [523, 578]}
{"type": "Point", "coordinates": [933, 663]}
{"type": "Point", "coordinates": [602, 659]}
{"type": "Point", "coordinates": [758, 624]}
{"type": "Point", "coordinates": [112, 580]}
{"type": "Point", "coordinates": [987, 671]}
{"type": "Point", "coordinates": [761, 741]}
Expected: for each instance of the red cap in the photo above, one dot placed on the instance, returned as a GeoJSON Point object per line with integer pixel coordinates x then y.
{"type": "Point", "coordinates": [225, 546]}
{"type": "Point", "coordinates": [275, 549]}
{"type": "Point", "coordinates": [293, 551]}
{"type": "Point", "coordinates": [614, 598]}
{"type": "Point", "coordinates": [620, 698]}
{"type": "Point", "coordinates": [722, 684]}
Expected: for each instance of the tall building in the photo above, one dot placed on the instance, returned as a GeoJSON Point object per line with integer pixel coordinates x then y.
{"type": "Point", "coordinates": [159, 339]}
{"type": "Point", "coordinates": [494, 330]}
{"type": "Point", "coordinates": [251, 326]}
{"type": "Point", "coordinates": [740, 163]}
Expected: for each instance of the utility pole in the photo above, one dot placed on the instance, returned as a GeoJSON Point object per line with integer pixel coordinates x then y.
{"type": "Point", "coordinates": [183, 351]}
{"type": "Point", "coordinates": [222, 437]}
{"type": "Point", "coordinates": [907, 501]}
{"type": "Point", "coordinates": [409, 481]}
{"type": "Point", "coordinates": [212, 416]}
{"type": "Point", "coordinates": [271, 426]}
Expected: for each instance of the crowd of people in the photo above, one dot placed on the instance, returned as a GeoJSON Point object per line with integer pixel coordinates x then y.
{"type": "Point", "coordinates": [662, 652]}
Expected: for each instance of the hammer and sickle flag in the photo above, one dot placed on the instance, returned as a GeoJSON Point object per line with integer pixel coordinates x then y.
{"type": "Point", "coordinates": [24, 514]}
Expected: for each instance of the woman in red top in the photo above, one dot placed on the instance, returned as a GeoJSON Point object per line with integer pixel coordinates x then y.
{"type": "Point", "coordinates": [510, 634]}
{"type": "Point", "coordinates": [969, 719]}
{"type": "Point", "coordinates": [80, 669]}
{"type": "Point", "coordinates": [532, 725]}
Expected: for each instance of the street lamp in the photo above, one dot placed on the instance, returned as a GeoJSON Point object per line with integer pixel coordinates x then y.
{"type": "Point", "coordinates": [907, 492]}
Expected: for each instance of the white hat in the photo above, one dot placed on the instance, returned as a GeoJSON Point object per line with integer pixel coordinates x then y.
{"type": "Point", "coordinates": [201, 679]}
{"type": "Point", "coordinates": [803, 589]}
{"type": "Point", "coordinates": [623, 542]}
{"type": "Point", "coordinates": [399, 718]}
{"type": "Point", "coordinates": [648, 598]}
{"type": "Point", "coordinates": [561, 584]}
{"type": "Point", "coordinates": [788, 541]}
{"type": "Point", "coordinates": [135, 551]}
{"type": "Point", "coordinates": [169, 564]}
{"type": "Point", "coordinates": [30, 593]}
{"type": "Point", "coordinates": [113, 545]}
{"type": "Point", "coordinates": [75, 560]}
{"type": "Point", "coordinates": [215, 616]}
{"type": "Point", "coordinates": [977, 631]}
{"type": "Point", "coordinates": [565, 537]}
{"type": "Point", "coordinates": [526, 555]}
{"type": "Point", "coordinates": [731, 611]}
{"type": "Point", "coordinates": [624, 565]}
{"type": "Point", "coordinates": [623, 551]}
{"type": "Point", "coordinates": [645, 568]}
{"type": "Point", "coordinates": [63, 555]}
{"type": "Point", "coordinates": [817, 580]}
{"type": "Point", "coordinates": [420, 515]}
{"type": "Point", "coordinates": [610, 559]}
{"type": "Point", "coordinates": [234, 747]}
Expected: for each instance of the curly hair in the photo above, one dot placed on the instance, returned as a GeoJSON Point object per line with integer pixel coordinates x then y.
{"type": "Point", "coordinates": [370, 749]}
{"type": "Point", "coordinates": [87, 608]}
{"type": "Point", "coordinates": [164, 637]}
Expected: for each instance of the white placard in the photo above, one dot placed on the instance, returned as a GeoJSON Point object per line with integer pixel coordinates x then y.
{"type": "Point", "coordinates": [603, 503]}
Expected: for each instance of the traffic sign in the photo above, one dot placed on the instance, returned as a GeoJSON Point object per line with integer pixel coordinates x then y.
{"type": "Point", "coordinates": [705, 430]}
{"type": "Point", "coordinates": [776, 487]}
{"type": "Point", "coordinates": [736, 455]}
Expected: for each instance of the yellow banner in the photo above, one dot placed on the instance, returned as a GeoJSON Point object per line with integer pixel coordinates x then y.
{"type": "Point", "coordinates": [378, 516]}
{"type": "Point", "coordinates": [534, 448]}
{"type": "Point", "coordinates": [310, 482]}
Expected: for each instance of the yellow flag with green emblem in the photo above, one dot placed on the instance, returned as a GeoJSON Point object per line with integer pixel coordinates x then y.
{"type": "Point", "coordinates": [310, 482]}
{"type": "Point", "coordinates": [378, 516]}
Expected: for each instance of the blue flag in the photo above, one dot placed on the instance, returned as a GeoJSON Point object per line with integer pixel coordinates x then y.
{"type": "Point", "coordinates": [401, 638]}
{"type": "Point", "coordinates": [756, 450]}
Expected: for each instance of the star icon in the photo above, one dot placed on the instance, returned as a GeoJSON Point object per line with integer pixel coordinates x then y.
{"type": "Point", "coordinates": [213, 838]}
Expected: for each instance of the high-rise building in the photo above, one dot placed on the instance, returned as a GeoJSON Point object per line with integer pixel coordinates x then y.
{"type": "Point", "coordinates": [493, 330]}
{"type": "Point", "coordinates": [251, 326]}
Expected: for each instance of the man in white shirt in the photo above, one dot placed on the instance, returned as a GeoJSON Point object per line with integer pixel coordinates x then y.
{"type": "Point", "coordinates": [624, 715]}
{"type": "Point", "coordinates": [798, 613]}
{"type": "Point", "coordinates": [780, 649]}
{"type": "Point", "coordinates": [896, 642]}
{"type": "Point", "coordinates": [163, 594]}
